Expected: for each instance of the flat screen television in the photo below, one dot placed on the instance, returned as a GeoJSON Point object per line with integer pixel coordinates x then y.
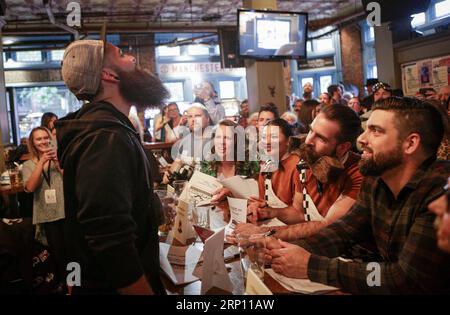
{"type": "Point", "coordinates": [265, 34]}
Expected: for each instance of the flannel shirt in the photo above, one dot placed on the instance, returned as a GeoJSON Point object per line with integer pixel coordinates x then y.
{"type": "Point", "coordinates": [402, 231]}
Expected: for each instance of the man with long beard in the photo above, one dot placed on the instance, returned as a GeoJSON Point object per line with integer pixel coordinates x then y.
{"type": "Point", "coordinates": [327, 179]}
{"type": "Point", "coordinates": [399, 158]}
{"type": "Point", "coordinates": [112, 215]}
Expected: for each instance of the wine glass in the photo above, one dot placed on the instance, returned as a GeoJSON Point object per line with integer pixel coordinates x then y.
{"type": "Point", "coordinates": [178, 187]}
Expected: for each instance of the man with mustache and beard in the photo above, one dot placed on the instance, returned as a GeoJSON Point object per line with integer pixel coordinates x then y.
{"type": "Point", "coordinates": [112, 214]}
{"type": "Point", "coordinates": [328, 180]}
{"type": "Point", "coordinates": [403, 176]}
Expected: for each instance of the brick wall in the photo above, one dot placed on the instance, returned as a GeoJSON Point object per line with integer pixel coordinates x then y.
{"type": "Point", "coordinates": [351, 55]}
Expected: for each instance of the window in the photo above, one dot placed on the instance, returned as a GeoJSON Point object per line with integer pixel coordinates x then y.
{"type": "Point", "coordinates": [32, 102]}
{"type": "Point", "coordinates": [29, 56]}
{"type": "Point", "coordinates": [372, 71]}
{"type": "Point", "coordinates": [308, 46]}
{"type": "Point", "coordinates": [176, 91]}
{"type": "Point", "coordinates": [227, 89]}
{"type": "Point", "coordinates": [217, 50]}
{"type": "Point", "coordinates": [369, 55]}
{"type": "Point", "coordinates": [369, 34]}
{"type": "Point", "coordinates": [306, 80]}
{"type": "Point", "coordinates": [324, 44]}
{"type": "Point", "coordinates": [442, 8]}
{"type": "Point", "coordinates": [418, 19]}
{"type": "Point", "coordinates": [198, 50]}
{"type": "Point", "coordinates": [231, 107]}
{"type": "Point", "coordinates": [325, 82]}
{"type": "Point", "coordinates": [56, 55]}
{"type": "Point", "coordinates": [166, 51]}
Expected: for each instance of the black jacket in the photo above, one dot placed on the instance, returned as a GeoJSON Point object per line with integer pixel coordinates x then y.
{"type": "Point", "coordinates": [111, 217]}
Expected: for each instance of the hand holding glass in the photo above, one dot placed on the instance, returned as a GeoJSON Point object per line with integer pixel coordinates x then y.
{"type": "Point", "coordinates": [252, 250]}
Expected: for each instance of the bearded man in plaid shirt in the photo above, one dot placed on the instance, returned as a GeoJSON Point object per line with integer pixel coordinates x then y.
{"type": "Point", "coordinates": [390, 214]}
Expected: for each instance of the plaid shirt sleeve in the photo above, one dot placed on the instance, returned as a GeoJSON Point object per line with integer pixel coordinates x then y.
{"type": "Point", "coordinates": [420, 267]}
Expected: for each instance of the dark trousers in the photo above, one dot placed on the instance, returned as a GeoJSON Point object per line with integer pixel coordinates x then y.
{"type": "Point", "coordinates": [55, 238]}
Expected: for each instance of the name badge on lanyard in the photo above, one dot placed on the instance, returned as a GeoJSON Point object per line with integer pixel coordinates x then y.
{"type": "Point", "coordinates": [49, 194]}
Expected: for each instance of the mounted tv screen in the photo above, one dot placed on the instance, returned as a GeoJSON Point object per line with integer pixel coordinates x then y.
{"type": "Point", "coordinates": [272, 34]}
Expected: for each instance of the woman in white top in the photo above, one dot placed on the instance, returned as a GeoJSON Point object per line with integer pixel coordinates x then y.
{"type": "Point", "coordinates": [43, 177]}
{"type": "Point", "coordinates": [172, 125]}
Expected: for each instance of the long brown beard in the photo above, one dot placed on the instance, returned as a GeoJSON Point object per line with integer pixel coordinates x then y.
{"type": "Point", "coordinates": [325, 168]}
{"type": "Point", "coordinates": [142, 88]}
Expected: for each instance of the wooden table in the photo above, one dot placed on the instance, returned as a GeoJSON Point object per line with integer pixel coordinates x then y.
{"type": "Point", "coordinates": [157, 145]}
{"type": "Point", "coordinates": [234, 271]}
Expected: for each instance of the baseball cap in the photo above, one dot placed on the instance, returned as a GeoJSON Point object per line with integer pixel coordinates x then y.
{"type": "Point", "coordinates": [82, 65]}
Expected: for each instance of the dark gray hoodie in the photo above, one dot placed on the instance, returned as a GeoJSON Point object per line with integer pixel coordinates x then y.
{"type": "Point", "coordinates": [111, 226]}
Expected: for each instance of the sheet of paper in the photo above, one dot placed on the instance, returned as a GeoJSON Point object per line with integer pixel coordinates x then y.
{"type": "Point", "coordinates": [230, 253]}
{"type": "Point", "coordinates": [238, 213]}
{"type": "Point", "coordinates": [440, 75]}
{"type": "Point", "coordinates": [304, 286]}
{"type": "Point", "coordinates": [411, 79]}
{"type": "Point", "coordinates": [214, 272]}
{"type": "Point", "coordinates": [180, 262]}
{"type": "Point", "coordinates": [241, 187]}
{"type": "Point", "coordinates": [203, 203]}
{"type": "Point", "coordinates": [170, 190]}
{"type": "Point", "coordinates": [202, 186]}
{"type": "Point", "coordinates": [216, 219]}
{"type": "Point", "coordinates": [255, 286]}
{"type": "Point", "coordinates": [272, 222]}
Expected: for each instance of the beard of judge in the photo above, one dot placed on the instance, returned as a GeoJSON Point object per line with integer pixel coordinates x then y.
{"type": "Point", "coordinates": [141, 88]}
{"type": "Point", "coordinates": [310, 156]}
{"type": "Point", "coordinates": [380, 162]}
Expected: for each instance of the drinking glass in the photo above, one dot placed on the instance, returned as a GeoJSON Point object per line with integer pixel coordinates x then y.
{"type": "Point", "coordinates": [178, 186]}
{"type": "Point", "coordinates": [168, 211]}
{"type": "Point", "coordinates": [252, 250]}
{"type": "Point", "coordinates": [14, 177]}
{"type": "Point", "coordinates": [200, 216]}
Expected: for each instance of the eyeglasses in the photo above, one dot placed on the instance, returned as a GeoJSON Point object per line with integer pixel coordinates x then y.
{"type": "Point", "coordinates": [381, 85]}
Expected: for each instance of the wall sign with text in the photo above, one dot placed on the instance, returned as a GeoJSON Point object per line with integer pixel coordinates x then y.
{"type": "Point", "coordinates": [427, 73]}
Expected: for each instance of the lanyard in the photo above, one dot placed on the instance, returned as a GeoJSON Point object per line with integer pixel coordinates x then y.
{"type": "Point", "coordinates": [47, 176]}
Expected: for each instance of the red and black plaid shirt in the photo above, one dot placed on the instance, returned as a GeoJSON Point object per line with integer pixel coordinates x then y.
{"type": "Point", "coordinates": [401, 229]}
